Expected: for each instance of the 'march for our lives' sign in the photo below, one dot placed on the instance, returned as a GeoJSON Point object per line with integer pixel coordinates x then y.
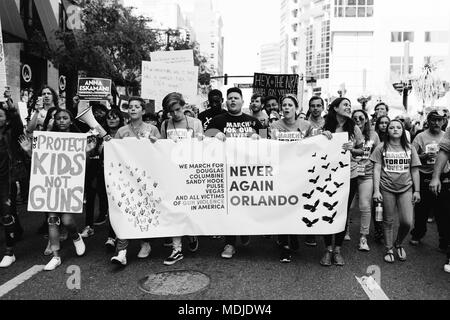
{"type": "Point", "coordinates": [58, 168]}
{"type": "Point", "coordinates": [237, 187]}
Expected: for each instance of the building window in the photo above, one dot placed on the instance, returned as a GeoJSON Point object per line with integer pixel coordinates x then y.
{"type": "Point", "coordinates": [353, 8]}
{"type": "Point", "coordinates": [436, 36]}
{"type": "Point", "coordinates": [294, 41]}
{"type": "Point", "coordinates": [294, 27]}
{"type": "Point", "coordinates": [398, 36]}
{"type": "Point", "coordinates": [397, 68]}
{"type": "Point", "coordinates": [294, 69]}
{"type": "Point", "coordinates": [295, 13]}
{"type": "Point", "coordinates": [294, 55]}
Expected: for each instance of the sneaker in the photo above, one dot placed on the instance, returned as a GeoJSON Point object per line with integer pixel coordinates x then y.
{"type": "Point", "coordinates": [120, 258]}
{"type": "Point", "coordinates": [173, 258]}
{"type": "Point", "coordinates": [87, 232]}
{"type": "Point", "coordinates": [326, 259]}
{"type": "Point", "coordinates": [430, 220]}
{"type": "Point", "coordinates": [285, 256]}
{"type": "Point", "coordinates": [363, 246]}
{"type": "Point", "coordinates": [53, 264]}
{"type": "Point", "coordinates": [338, 258]}
{"type": "Point", "coordinates": [100, 220]}
{"type": "Point", "coordinates": [193, 244]}
{"type": "Point", "coordinates": [310, 241]}
{"type": "Point", "coordinates": [447, 266]}
{"type": "Point", "coordinates": [145, 250]}
{"type": "Point", "coordinates": [414, 242]}
{"type": "Point", "coordinates": [48, 251]}
{"type": "Point", "coordinates": [167, 242]}
{"type": "Point", "coordinates": [245, 240]}
{"type": "Point", "coordinates": [110, 244]}
{"type": "Point", "coordinates": [80, 247]}
{"type": "Point", "coordinates": [216, 237]}
{"type": "Point", "coordinates": [347, 237]}
{"type": "Point", "coordinates": [228, 252]}
{"type": "Point", "coordinates": [7, 261]}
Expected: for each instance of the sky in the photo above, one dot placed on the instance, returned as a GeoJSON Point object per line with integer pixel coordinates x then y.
{"type": "Point", "coordinates": [247, 24]}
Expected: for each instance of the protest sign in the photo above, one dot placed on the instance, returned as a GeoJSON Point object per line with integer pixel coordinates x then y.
{"type": "Point", "coordinates": [185, 57]}
{"type": "Point", "coordinates": [57, 172]}
{"type": "Point", "coordinates": [94, 89]}
{"type": "Point", "coordinates": [276, 85]}
{"type": "Point", "coordinates": [160, 79]}
{"type": "Point", "coordinates": [3, 82]}
{"type": "Point", "coordinates": [240, 186]}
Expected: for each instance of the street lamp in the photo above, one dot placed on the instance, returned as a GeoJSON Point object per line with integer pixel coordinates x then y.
{"type": "Point", "coordinates": [403, 88]}
{"type": "Point", "coordinates": [363, 100]}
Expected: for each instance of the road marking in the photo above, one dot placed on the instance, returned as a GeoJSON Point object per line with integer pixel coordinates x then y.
{"type": "Point", "coordinates": [21, 278]}
{"type": "Point", "coordinates": [372, 288]}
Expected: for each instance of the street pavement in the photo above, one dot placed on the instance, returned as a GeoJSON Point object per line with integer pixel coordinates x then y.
{"type": "Point", "coordinates": [254, 273]}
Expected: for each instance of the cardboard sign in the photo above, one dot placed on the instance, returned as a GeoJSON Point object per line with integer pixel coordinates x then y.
{"type": "Point", "coordinates": [276, 85]}
{"type": "Point", "coordinates": [240, 186]}
{"type": "Point", "coordinates": [160, 79]}
{"type": "Point", "coordinates": [185, 57]}
{"type": "Point", "coordinates": [57, 172]}
{"type": "Point", "coordinates": [3, 82]}
{"type": "Point", "coordinates": [94, 89]}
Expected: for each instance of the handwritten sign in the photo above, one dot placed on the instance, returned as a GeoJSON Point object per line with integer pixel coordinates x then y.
{"type": "Point", "coordinates": [57, 172]}
{"type": "Point", "coordinates": [275, 85]}
{"type": "Point", "coordinates": [94, 89]}
{"type": "Point", "coordinates": [160, 79]}
{"type": "Point", "coordinates": [185, 57]}
{"type": "Point", "coordinates": [240, 186]}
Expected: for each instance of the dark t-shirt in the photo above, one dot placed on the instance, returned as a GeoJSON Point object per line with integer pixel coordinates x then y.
{"type": "Point", "coordinates": [4, 158]}
{"type": "Point", "coordinates": [206, 116]}
{"type": "Point", "coordinates": [235, 126]}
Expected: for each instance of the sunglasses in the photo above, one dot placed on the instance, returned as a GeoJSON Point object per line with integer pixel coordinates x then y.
{"type": "Point", "coordinates": [361, 118]}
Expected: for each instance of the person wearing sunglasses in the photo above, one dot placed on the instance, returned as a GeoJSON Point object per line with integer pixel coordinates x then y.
{"type": "Point", "coordinates": [365, 174]}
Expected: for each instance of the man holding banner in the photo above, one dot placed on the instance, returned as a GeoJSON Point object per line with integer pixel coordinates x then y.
{"type": "Point", "coordinates": [234, 124]}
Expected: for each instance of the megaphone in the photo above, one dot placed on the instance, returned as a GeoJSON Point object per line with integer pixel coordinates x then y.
{"type": "Point", "coordinates": [87, 117]}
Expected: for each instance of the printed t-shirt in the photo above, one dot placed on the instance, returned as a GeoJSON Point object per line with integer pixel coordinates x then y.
{"type": "Point", "coordinates": [281, 131]}
{"type": "Point", "coordinates": [236, 126]}
{"type": "Point", "coordinates": [206, 116]}
{"type": "Point", "coordinates": [145, 130]}
{"type": "Point", "coordinates": [445, 142]}
{"type": "Point", "coordinates": [396, 166]}
{"type": "Point", "coordinates": [365, 166]}
{"type": "Point", "coordinates": [317, 126]}
{"type": "Point", "coordinates": [425, 142]}
{"type": "Point", "coordinates": [185, 129]}
{"type": "Point", "coordinates": [358, 140]}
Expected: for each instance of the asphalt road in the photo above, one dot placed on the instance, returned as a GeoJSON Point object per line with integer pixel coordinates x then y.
{"type": "Point", "coordinates": [255, 272]}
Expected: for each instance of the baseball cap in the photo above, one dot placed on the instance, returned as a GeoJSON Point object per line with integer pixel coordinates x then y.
{"type": "Point", "coordinates": [436, 114]}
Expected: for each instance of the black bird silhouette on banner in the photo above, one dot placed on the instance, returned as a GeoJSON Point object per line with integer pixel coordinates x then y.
{"type": "Point", "coordinates": [314, 155]}
{"type": "Point", "coordinates": [338, 185]}
{"type": "Point", "coordinates": [328, 179]}
{"type": "Point", "coordinates": [330, 207]}
{"type": "Point", "coordinates": [326, 167]}
{"type": "Point", "coordinates": [330, 194]}
{"type": "Point", "coordinates": [334, 170]}
{"type": "Point", "coordinates": [324, 158]}
{"type": "Point", "coordinates": [314, 180]}
{"type": "Point", "coordinates": [322, 189]}
{"type": "Point", "coordinates": [308, 195]}
{"type": "Point", "coordinates": [312, 170]}
{"type": "Point", "coordinates": [308, 223]}
{"type": "Point", "coordinates": [312, 208]}
{"type": "Point", "coordinates": [330, 220]}
{"type": "Point", "coordinates": [343, 165]}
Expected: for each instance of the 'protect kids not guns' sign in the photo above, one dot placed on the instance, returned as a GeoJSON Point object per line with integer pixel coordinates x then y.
{"type": "Point", "coordinates": [58, 167]}
{"type": "Point", "coordinates": [94, 89]}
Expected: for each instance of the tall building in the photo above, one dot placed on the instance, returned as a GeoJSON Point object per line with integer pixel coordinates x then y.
{"type": "Point", "coordinates": [208, 25]}
{"type": "Point", "coordinates": [270, 58]}
{"type": "Point", "coordinates": [290, 36]}
{"type": "Point", "coordinates": [357, 46]}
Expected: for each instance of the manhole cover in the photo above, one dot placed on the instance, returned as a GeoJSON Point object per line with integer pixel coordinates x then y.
{"type": "Point", "coordinates": [174, 283]}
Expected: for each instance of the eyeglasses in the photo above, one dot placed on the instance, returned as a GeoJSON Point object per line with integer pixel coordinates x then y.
{"type": "Point", "coordinates": [359, 118]}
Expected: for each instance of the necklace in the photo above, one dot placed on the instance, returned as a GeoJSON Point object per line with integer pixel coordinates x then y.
{"type": "Point", "coordinates": [136, 130]}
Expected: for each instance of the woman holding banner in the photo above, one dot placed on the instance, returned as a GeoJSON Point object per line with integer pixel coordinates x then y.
{"type": "Point", "coordinates": [136, 128]}
{"type": "Point", "coordinates": [338, 120]}
{"type": "Point", "coordinates": [178, 127]}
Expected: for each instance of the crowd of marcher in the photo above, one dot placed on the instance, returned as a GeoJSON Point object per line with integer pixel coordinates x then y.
{"type": "Point", "coordinates": [397, 168]}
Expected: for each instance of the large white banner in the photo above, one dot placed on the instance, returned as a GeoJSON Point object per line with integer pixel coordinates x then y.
{"type": "Point", "coordinates": [160, 79]}
{"type": "Point", "coordinates": [185, 57]}
{"type": "Point", "coordinates": [237, 187]}
{"type": "Point", "coordinates": [58, 167]}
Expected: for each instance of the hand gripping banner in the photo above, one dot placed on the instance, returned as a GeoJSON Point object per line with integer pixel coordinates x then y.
{"type": "Point", "coordinates": [237, 187]}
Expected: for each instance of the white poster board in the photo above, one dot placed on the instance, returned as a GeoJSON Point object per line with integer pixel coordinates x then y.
{"type": "Point", "coordinates": [160, 79]}
{"type": "Point", "coordinates": [3, 82]}
{"type": "Point", "coordinates": [58, 168]}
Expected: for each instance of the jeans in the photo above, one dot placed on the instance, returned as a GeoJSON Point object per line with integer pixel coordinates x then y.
{"type": "Point", "coordinates": [339, 237]}
{"type": "Point", "coordinates": [401, 204]}
{"type": "Point", "coordinates": [95, 185]}
{"type": "Point", "coordinates": [365, 192]}
{"type": "Point", "coordinates": [443, 218]}
{"type": "Point", "coordinates": [7, 220]}
{"type": "Point", "coordinates": [122, 244]}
